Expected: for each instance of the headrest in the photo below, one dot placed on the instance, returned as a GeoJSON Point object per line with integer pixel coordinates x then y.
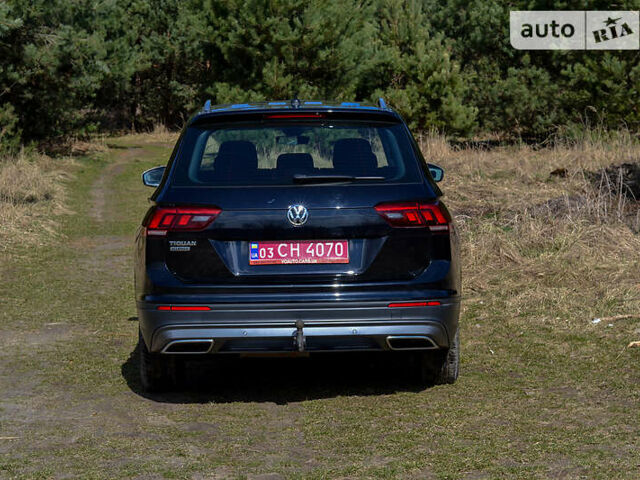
{"type": "Point", "coordinates": [295, 162]}
{"type": "Point", "coordinates": [354, 156]}
{"type": "Point", "coordinates": [236, 158]}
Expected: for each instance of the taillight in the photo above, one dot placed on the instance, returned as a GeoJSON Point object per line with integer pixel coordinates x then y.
{"type": "Point", "coordinates": [169, 219]}
{"type": "Point", "coordinates": [430, 215]}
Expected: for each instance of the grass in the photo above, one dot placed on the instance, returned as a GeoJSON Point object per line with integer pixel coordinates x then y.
{"type": "Point", "coordinates": [579, 256]}
{"type": "Point", "coordinates": [31, 196]}
{"type": "Point", "coordinates": [543, 392]}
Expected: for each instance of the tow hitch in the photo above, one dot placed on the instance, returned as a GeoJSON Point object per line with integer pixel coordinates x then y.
{"type": "Point", "coordinates": [299, 340]}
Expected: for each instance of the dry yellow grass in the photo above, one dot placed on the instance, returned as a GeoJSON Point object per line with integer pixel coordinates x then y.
{"type": "Point", "coordinates": [32, 191]}
{"type": "Point", "coordinates": [159, 135]}
{"type": "Point", "coordinates": [31, 195]}
{"type": "Point", "coordinates": [545, 247]}
{"type": "Point", "coordinates": [97, 144]}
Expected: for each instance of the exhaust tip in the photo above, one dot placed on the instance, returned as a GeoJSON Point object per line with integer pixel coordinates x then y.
{"type": "Point", "coordinates": [188, 346]}
{"type": "Point", "coordinates": [410, 342]}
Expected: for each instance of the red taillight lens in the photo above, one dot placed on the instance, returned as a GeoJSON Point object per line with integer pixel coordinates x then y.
{"type": "Point", "coordinates": [430, 303]}
{"type": "Point", "coordinates": [431, 215]}
{"type": "Point", "coordinates": [165, 219]}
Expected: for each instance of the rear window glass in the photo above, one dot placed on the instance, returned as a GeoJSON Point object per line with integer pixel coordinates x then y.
{"type": "Point", "coordinates": [273, 154]}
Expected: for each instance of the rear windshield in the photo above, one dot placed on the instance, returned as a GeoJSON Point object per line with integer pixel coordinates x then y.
{"type": "Point", "coordinates": [273, 154]}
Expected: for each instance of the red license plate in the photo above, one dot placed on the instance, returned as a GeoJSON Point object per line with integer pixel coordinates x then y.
{"type": "Point", "coordinates": [307, 251]}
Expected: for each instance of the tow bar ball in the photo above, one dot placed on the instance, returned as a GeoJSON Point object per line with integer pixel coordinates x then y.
{"type": "Point", "coordinates": [298, 340]}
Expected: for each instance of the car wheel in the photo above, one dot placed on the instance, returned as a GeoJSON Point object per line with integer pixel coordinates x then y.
{"type": "Point", "coordinates": [441, 368]}
{"type": "Point", "coordinates": [158, 373]}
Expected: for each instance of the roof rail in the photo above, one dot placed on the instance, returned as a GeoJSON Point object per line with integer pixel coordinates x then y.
{"type": "Point", "coordinates": [382, 104]}
{"type": "Point", "coordinates": [207, 106]}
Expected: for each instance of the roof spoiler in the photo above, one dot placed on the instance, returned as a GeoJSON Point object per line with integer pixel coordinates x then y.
{"type": "Point", "coordinates": [295, 103]}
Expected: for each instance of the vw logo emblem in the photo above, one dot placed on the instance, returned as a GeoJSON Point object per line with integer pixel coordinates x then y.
{"type": "Point", "coordinates": [298, 215]}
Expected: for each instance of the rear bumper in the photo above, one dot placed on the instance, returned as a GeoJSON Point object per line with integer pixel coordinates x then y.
{"type": "Point", "coordinates": [312, 327]}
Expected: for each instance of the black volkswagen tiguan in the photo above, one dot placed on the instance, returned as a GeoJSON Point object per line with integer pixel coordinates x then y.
{"type": "Point", "coordinates": [293, 228]}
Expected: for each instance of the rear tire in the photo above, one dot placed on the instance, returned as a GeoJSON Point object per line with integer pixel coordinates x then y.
{"type": "Point", "coordinates": [158, 373]}
{"type": "Point", "coordinates": [441, 368]}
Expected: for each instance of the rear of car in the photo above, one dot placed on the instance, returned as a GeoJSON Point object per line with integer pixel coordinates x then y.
{"type": "Point", "coordinates": [282, 228]}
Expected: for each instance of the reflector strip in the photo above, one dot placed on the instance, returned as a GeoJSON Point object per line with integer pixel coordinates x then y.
{"type": "Point", "coordinates": [180, 308]}
{"type": "Point", "coordinates": [431, 303]}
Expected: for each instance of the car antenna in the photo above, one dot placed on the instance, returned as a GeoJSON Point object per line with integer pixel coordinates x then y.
{"type": "Point", "coordinates": [295, 103]}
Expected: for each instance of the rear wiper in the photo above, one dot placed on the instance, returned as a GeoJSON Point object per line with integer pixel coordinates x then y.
{"type": "Point", "coordinates": [332, 178]}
